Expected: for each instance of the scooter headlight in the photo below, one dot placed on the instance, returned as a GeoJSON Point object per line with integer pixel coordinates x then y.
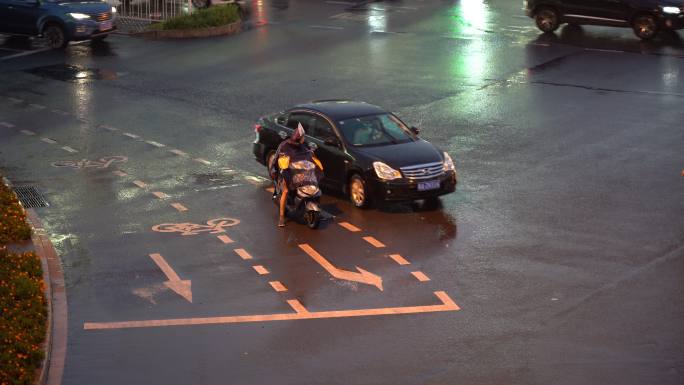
{"type": "Point", "coordinates": [308, 190]}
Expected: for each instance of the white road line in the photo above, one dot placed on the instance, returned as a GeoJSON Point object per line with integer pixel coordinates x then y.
{"type": "Point", "coordinates": [69, 149]}
{"type": "Point", "coordinates": [203, 161]}
{"type": "Point", "coordinates": [603, 50]}
{"type": "Point", "coordinates": [108, 127]}
{"type": "Point", "coordinates": [38, 106]}
{"type": "Point", "coordinates": [178, 152]}
{"type": "Point", "coordinates": [48, 141]}
{"type": "Point", "coordinates": [128, 134]}
{"type": "Point", "coordinates": [27, 132]}
{"type": "Point", "coordinates": [15, 100]}
{"type": "Point", "coordinates": [155, 144]}
{"type": "Point", "coordinates": [27, 53]}
{"type": "Point", "coordinates": [325, 27]}
{"type": "Point", "coordinates": [7, 124]}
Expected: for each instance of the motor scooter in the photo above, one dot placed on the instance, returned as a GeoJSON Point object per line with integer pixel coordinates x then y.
{"type": "Point", "coordinates": [303, 201]}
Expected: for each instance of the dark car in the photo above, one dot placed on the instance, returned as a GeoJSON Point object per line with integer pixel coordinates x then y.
{"type": "Point", "coordinates": [59, 21]}
{"type": "Point", "coordinates": [366, 152]}
{"type": "Point", "coordinates": [645, 17]}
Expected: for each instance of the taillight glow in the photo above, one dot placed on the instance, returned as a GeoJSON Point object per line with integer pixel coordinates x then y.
{"type": "Point", "coordinates": [257, 128]}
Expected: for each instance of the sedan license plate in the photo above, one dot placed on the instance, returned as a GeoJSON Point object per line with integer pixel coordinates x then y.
{"type": "Point", "coordinates": [430, 185]}
{"type": "Point", "coordinates": [105, 26]}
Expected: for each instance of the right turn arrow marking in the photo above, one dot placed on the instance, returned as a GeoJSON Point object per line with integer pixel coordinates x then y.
{"type": "Point", "coordinates": [362, 276]}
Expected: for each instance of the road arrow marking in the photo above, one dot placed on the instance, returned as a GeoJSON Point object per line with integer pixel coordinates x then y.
{"type": "Point", "coordinates": [362, 276]}
{"type": "Point", "coordinates": [181, 287]}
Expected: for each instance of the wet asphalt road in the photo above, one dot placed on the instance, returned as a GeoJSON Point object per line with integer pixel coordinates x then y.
{"type": "Point", "coordinates": [563, 245]}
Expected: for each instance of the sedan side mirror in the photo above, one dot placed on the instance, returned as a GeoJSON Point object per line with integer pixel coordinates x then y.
{"type": "Point", "coordinates": [332, 141]}
{"type": "Point", "coordinates": [415, 130]}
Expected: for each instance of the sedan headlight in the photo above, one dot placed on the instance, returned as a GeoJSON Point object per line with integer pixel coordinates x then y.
{"type": "Point", "coordinates": [79, 16]}
{"type": "Point", "coordinates": [671, 10]}
{"type": "Point", "coordinates": [448, 163]}
{"type": "Point", "coordinates": [385, 172]}
{"type": "Point", "coordinates": [113, 9]}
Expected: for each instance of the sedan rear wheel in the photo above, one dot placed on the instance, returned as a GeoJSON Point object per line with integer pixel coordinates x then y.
{"type": "Point", "coordinates": [547, 19]}
{"type": "Point", "coordinates": [357, 191]}
{"type": "Point", "coordinates": [645, 27]}
{"type": "Point", "coordinates": [54, 34]}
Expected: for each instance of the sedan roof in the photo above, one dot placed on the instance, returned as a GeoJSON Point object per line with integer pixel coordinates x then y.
{"type": "Point", "coordinates": [342, 109]}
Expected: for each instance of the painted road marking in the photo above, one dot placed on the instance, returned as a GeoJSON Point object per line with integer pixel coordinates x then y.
{"type": "Point", "coordinates": [349, 227]}
{"type": "Point", "coordinates": [399, 259]}
{"type": "Point", "coordinates": [140, 183]}
{"type": "Point", "coordinates": [108, 127]}
{"type": "Point", "coordinates": [447, 304]}
{"type": "Point", "coordinates": [7, 124]}
{"type": "Point", "coordinates": [255, 180]}
{"type": "Point", "coordinates": [181, 287]}
{"type": "Point", "coordinates": [213, 226]}
{"type": "Point", "coordinates": [178, 152]}
{"type": "Point", "coordinates": [420, 276]}
{"type": "Point", "coordinates": [277, 286]}
{"type": "Point", "coordinates": [69, 149]}
{"type": "Point", "coordinates": [133, 136]}
{"type": "Point", "coordinates": [33, 52]}
{"type": "Point", "coordinates": [160, 194]}
{"type": "Point", "coordinates": [603, 50]}
{"type": "Point", "coordinates": [119, 173]}
{"type": "Point", "coordinates": [326, 27]}
{"type": "Point", "coordinates": [363, 276]}
{"type": "Point", "coordinates": [179, 207]}
{"type": "Point", "coordinates": [49, 141]}
{"type": "Point", "coordinates": [61, 112]}
{"type": "Point", "coordinates": [297, 306]}
{"type": "Point", "coordinates": [27, 132]}
{"type": "Point", "coordinates": [155, 144]}
{"type": "Point", "coordinates": [37, 106]}
{"type": "Point", "coordinates": [203, 161]}
{"type": "Point", "coordinates": [243, 254]}
{"type": "Point", "coordinates": [260, 269]}
{"type": "Point", "coordinates": [374, 242]}
{"type": "Point", "coordinates": [102, 163]}
{"type": "Point", "coordinates": [14, 100]}
{"type": "Point", "coordinates": [225, 239]}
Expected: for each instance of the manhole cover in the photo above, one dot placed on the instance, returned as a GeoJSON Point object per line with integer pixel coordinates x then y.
{"type": "Point", "coordinates": [30, 197]}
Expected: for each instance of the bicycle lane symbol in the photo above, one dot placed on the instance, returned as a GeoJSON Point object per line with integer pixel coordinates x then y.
{"type": "Point", "coordinates": [213, 226]}
{"type": "Point", "coordinates": [101, 163]}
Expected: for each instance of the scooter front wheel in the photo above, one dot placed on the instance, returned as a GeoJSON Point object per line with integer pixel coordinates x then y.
{"type": "Point", "coordinates": [313, 219]}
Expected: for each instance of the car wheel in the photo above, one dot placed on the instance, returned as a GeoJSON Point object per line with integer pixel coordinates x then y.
{"type": "Point", "coordinates": [55, 36]}
{"type": "Point", "coordinates": [358, 193]}
{"type": "Point", "coordinates": [645, 27]}
{"type": "Point", "coordinates": [547, 19]}
{"type": "Point", "coordinates": [201, 3]}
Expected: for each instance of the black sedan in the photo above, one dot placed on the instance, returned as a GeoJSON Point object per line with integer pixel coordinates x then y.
{"type": "Point", "coordinates": [366, 152]}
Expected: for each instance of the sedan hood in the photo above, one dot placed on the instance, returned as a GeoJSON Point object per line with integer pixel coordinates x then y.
{"type": "Point", "coordinates": [87, 7]}
{"type": "Point", "coordinates": [404, 154]}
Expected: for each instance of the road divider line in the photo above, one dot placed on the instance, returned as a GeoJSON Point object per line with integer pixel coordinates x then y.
{"type": "Point", "coordinates": [133, 136]}
{"type": "Point", "coordinates": [374, 242]}
{"type": "Point", "coordinates": [225, 239]}
{"type": "Point", "coordinates": [297, 306]}
{"type": "Point", "coordinates": [446, 305]}
{"type": "Point", "coordinates": [119, 173]}
{"type": "Point", "coordinates": [178, 152]}
{"type": "Point", "coordinates": [203, 161]}
{"type": "Point", "coordinates": [179, 207]}
{"type": "Point", "coordinates": [160, 195]}
{"type": "Point", "coordinates": [260, 269]}
{"type": "Point", "coordinates": [349, 227]}
{"type": "Point", "coordinates": [48, 141]}
{"type": "Point", "coordinates": [420, 276]}
{"type": "Point", "coordinates": [140, 183]}
{"type": "Point", "coordinates": [243, 254]}
{"type": "Point", "coordinates": [108, 127]}
{"type": "Point", "coordinates": [27, 132]}
{"type": "Point", "coordinates": [69, 149]}
{"type": "Point", "coordinates": [277, 286]}
{"type": "Point", "coordinates": [7, 124]}
{"type": "Point", "coordinates": [155, 144]}
{"type": "Point", "coordinates": [399, 259]}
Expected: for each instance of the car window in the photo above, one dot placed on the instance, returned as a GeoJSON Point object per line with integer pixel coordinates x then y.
{"type": "Point", "coordinates": [321, 128]}
{"type": "Point", "coordinates": [375, 130]}
{"type": "Point", "coordinates": [300, 117]}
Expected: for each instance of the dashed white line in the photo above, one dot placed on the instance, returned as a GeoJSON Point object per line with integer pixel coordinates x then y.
{"type": "Point", "coordinates": [38, 106]}
{"type": "Point", "coordinates": [178, 152]}
{"type": "Point", "coordinates": [69, 149]}
{"type": "Point", "coordinates": [140, 183]}
{"type": "Point", "coordinates": [27, 132]}
{"type": "Point", "coordinates": [203, 161]}
{"type": "Point", "coordinates": [155, 144]}
{"type": "Point", "coordinates": [15, 100]}
{"type": "Point", "coordinates": [7, 124]}
{"type": "Point", "coordinates": [128, 134]}
{"type": "Point", "coordinates": [108, 127]}
{"type": "Point", "coordinates": [49, 141]}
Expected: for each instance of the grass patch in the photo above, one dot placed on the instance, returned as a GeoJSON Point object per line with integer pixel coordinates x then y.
{"type": "Point", "coordinates": [13, 226]}
{"type": "Point", "coordinates": [23, 317]}
{"type": "Point", "coordinates": [215, 16]}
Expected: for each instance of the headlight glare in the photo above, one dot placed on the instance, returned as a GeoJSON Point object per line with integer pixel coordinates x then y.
{"type": "Point", "coordinates": [448, 163]}
{"type": "Point", "coordinates": [113, 9]}
{"type": "Point", "coordinates": [385, 172]}
{"type": "Point", "coordinates": [671, 10]}
{"type": "Point", "coordinates": [79, 16]}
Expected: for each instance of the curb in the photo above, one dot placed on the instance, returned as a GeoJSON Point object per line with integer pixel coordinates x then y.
{"type": "Point", "coordinates": [55, 294]}
{"type": "Point", "coordinates": [224, 30]}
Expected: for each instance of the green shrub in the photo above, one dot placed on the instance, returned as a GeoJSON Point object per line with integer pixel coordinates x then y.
{"type": "Point", "coordinates": [23, 316]}
{"type": "Point", "coordinates": [215, 16]}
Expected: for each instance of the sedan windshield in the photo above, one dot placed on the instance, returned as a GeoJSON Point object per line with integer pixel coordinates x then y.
{"type": "Point", "coordinates": [375, 130]}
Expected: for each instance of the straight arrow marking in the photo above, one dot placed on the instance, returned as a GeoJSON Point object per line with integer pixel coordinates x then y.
{"type": "Point", "coordinates": [181, 287]}
{"type": "Point", "coordinates": [362, 276]}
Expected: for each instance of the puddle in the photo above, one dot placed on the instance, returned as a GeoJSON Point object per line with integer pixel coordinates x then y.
{"type": "Point", "coordinates": [73, 73]}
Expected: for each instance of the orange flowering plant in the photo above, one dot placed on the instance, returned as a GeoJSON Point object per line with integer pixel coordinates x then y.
{"type": "Point", "coordinates": [13, 226]}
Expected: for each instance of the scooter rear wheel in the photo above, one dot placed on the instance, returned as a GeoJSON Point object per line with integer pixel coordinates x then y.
{"type": "Point", "coordinates": [313, 219]}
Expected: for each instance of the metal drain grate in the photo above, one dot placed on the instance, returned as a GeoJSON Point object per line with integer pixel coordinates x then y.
{"type": "Point", "coordinates": [30, 197]}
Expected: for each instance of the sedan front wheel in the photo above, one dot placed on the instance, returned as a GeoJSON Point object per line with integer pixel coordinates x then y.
{"type": "Point", "coordinates": [358, 193]}
{"type": "Point", "coordinates": [547, 19]}
{"type": "Point", "coordinates": [645, 27]}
